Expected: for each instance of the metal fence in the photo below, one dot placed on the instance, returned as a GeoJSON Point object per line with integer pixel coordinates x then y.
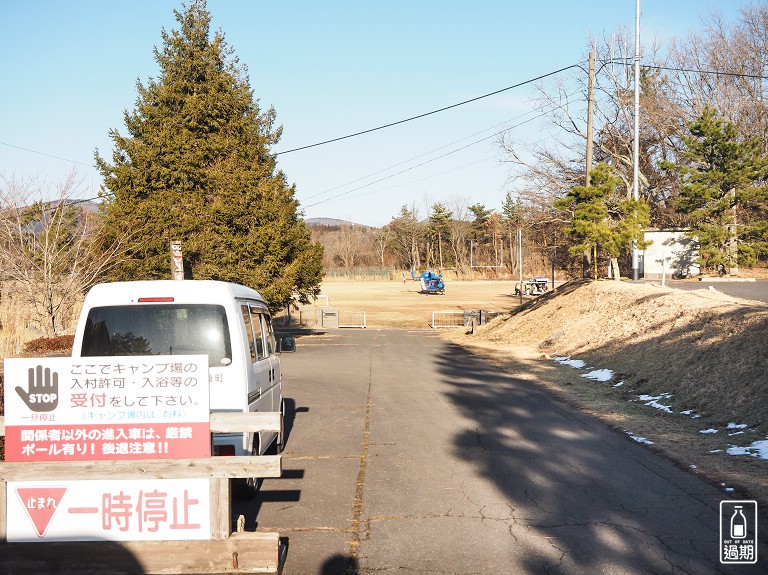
{"type": "Point", "coordinates": [323, 317]}
{"type": "Point", "coordinates": [462, 318]}
{"type": "Point", "coordinates": [351, 318]}
{"type": "Point", "coordinates": [447, 319]}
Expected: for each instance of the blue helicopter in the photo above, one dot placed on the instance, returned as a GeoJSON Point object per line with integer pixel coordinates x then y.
{"type": "Point", "coordinates": [430, 282]}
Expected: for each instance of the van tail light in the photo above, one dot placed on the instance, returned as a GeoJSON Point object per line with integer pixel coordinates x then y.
{"type": "Point", "coordinates": [224, 450]}
{"type": "Point", "coordinates": [155, 299]}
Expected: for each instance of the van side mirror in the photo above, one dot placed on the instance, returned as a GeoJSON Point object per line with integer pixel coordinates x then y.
{"type": "Point", "coordinates": [286, 344]}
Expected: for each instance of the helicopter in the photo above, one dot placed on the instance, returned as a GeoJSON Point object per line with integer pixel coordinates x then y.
{"type": "Point", "coordinates": [431, 283]}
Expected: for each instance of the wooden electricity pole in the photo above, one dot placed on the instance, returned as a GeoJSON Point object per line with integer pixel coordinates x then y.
{"type": "Point", "coordinates": [590, 143]}
{"type": "Point", "coordinates": [590, 115]}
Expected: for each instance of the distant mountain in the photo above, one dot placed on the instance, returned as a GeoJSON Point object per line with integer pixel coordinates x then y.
{"type": "Point", "coordinates": [331, 222]}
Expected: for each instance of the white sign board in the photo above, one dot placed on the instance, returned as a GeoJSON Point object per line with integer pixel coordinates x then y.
{"type": "Point", "coordinates": [123, 510]}
{"type": "Point", "coordinates": [94, 408]}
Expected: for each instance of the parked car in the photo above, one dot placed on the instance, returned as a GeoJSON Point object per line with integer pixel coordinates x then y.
{"type": "Point", "coordinates": [229, 323]}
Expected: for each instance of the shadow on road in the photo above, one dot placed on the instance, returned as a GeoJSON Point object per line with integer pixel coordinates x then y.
{"type": "Point", "coordinates": [340, 565]}
{"type": "Point", "coordinates": [585, 497]}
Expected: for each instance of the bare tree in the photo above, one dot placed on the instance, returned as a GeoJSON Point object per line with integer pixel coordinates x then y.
{"type": "Point", "coordinates": [49, 248]}
{"type": "Point", "coordinates": [350, 240]}
{"type": "Point", "coordinates": [381, 240]}
{"type": "Point", "coordinates": [459, 232]}
{"type": "Point", "coordinates": [724, 67]}
{"type": "Point", "coordinates": [407, 234]}
{"type": "Point", "coordinates": [544, 171]}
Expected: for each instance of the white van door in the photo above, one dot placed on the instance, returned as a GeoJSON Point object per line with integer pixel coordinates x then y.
{"type": "Point", "coordinates": [274, 359]}
{"type": "Point", "coordinates": [259, 376]}
{"type": "Point", "coordinates": [270, 352]}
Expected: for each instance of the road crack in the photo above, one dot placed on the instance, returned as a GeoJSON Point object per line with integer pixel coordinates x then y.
{"type": "Point", "coordinates": [357, 509]}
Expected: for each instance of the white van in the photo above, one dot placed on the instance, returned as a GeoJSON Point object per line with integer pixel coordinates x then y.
{"type": "Point", "coordinates": [228, 322]}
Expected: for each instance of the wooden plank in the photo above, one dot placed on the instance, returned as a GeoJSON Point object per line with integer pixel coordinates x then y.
{"type": "Point", "coordinates": [221, 509]}
{"type": "Point", "coordinates": [211, 467]}
{"type": "Point", "coordinates": [229, 422]}
{"type": "Point", "coordinates": [235, 422]}
{"type": "Point", "coordinates": [247, 552]}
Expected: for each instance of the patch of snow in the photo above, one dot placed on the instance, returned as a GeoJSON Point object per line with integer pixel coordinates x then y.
{"type": "Point", "coordinates": [716, 451]}
{"type": "Point", "coordinates": [599, 375]}
{"type": "Point", "coordinates": [686, 412]}
{"type": "Point", "coordinates": [758, 449]}
{"type": "Point", "coordinates": [693, 467]}
{"type": "Point", "coordinates": [653, 401]}
{"type": "Point", "coordinates": [577, 363]}
{"type": "Point", "coordinates": [695, 416]}
{"type": "Point", "coordinates": [736, 433]}
{"type": "Point", "coordinates": [619, 384]}
{"type": "Point", "coordinates": [710, 430]}
{"type": "Point", "coordinates": [640, 439]}
{"type": "Point", "coordinates": [737, 425]}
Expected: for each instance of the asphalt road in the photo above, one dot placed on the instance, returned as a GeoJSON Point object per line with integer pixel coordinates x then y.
{"type": "Point", "coordinates": [756, 290]}
{"type": "Point", "coordinates": [407, 454]}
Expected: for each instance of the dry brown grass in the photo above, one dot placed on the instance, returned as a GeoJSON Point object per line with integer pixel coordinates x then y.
{"type": "Point", "coordinates": [21, 323]}
{"type": "Point", "coordinates": [399, 304]}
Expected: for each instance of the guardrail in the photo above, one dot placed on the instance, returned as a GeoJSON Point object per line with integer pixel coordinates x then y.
{"type": "Point", "coordinates": [224, 552]}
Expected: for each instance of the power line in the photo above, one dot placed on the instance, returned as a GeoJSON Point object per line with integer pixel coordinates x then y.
{"type": "Point", "coordinates": [429, 177]}
{"type": "Point", "coordinates": [686, 70]}
{"type": "Point", "coordinates": [337, 196]}
{"type": "Point", "coordinates": [428, 113]}
{"type": "Point", "coordinates": [713, 72]}
{"type": "Point", "coordinates": [423, 154]}
{"type": "Point", "coordinates": [47, 155]}
{"type": "Point", "coordinates": [542, 109]}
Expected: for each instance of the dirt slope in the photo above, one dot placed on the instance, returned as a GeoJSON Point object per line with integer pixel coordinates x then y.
{"type": "Point", "coordinates": [706, 348]}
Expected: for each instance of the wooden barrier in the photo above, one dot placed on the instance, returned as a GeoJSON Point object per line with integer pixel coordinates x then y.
{"type": "Point", "coordinates": [225, 552]}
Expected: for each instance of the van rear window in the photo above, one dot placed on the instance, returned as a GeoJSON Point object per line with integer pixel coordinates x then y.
{"type": "Point", "coordinates": [158, 329]}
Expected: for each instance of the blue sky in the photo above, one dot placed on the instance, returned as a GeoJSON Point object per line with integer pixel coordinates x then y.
{"type": "Point", "coordinates": [329, 69]}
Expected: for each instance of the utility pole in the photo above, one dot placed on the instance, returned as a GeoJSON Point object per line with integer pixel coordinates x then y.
{"type": "Point", "coordinates": [590, 143]}
{"type": "Point", "coordinates": [590, 112]}
{"type": "Point", "coordinates": [636, 142]}
{"type": "Point", "coordinates": [520, 256]}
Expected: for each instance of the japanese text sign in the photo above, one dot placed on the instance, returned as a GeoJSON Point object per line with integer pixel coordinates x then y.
{"type": "Point", "coordinates": [95, 408]}
{"type": "Point", "coordinates": [124, 510]}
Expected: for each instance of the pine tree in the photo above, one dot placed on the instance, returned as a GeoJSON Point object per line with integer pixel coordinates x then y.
{"type": "Point", "coordinates": [195, 166]}
{"type": "Point", "coordinates": [438, 231]}
{"type": "Point", "coordinates": [481, 214]}
{"type": "Point", "coordinates": [603, 218]}
{"type": "Point", "coordinates": [723, 192]}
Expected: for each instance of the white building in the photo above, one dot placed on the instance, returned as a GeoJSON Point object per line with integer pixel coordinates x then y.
{"type": "Point", "coordinates": [672, 254]}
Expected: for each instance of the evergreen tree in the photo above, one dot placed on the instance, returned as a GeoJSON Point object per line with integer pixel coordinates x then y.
{"type": "Point", "coordinates": [407, 234]}
{"type": "Point", "coordinates": [512, 218]}
{"type": "Point", "coordinates": [439, 230]}
{"type": "Point", "coordinates": [481, 214]}
{"type": "Point", "coordinates": [723, 192]}
{"type": "Point", "coordinates": [603, 218]}
{"type": "Point", "coordinates": [195, 166]}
